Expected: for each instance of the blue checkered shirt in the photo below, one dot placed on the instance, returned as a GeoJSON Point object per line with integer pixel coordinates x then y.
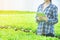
{"type": "Point", "coordinates": [51, 12]}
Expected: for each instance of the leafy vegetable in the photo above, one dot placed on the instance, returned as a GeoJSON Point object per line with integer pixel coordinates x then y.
{"type": "Point", "coordinates": [40, 14]}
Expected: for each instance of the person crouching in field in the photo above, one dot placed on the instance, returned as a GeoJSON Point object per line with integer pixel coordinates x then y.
{"type": "Point", "coordinates": [47, 27]}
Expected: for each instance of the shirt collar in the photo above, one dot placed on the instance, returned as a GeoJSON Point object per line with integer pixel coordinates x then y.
{"type": "Point", "coordinates": [46, 7]}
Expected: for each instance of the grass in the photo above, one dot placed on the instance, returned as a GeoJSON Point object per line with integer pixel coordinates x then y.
{"type": "Point", "coordinates": [10, 34]}
{"type": "Point", "coordinates": [25, 20]}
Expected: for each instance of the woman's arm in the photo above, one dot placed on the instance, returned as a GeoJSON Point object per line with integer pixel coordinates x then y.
{"type": "Point", "coordinates": [38, 10]}
{"type": "Point", "coordinates": [55, 16]}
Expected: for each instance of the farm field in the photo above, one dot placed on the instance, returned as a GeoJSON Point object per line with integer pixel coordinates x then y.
{"type": "Point", "coordinates": [13, 26]}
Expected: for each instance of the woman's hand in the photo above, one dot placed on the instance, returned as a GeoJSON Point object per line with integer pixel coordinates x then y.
{"type": "Point", "coordinates": [40, 18]}
{"type": "Point", "coordinates": [45, 18]}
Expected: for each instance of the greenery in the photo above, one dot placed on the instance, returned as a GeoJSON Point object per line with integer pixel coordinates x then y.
{"type": "Point", "coordinates": [41, 14]}
{"type": "Point", "coordinates": [12, 22]}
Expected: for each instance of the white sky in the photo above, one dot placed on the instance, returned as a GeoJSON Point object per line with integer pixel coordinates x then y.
{"type": "Point", "coordinates": [25, 5]}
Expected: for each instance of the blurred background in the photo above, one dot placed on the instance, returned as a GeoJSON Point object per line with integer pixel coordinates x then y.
{"type": "Point", "coordinates": [25, 5]}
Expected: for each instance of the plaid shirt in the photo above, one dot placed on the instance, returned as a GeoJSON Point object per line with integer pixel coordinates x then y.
{"type": "Point", "coordinates": [51, 12]}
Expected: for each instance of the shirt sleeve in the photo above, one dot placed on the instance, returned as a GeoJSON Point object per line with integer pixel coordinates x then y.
{"type": "Point", "coordinates": [54, 20]}
{"type": "Point", "coordinates": [38, 10]}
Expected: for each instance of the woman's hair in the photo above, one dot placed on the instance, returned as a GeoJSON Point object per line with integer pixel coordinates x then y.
{"type": "Point", "coordinates": [50, 0]}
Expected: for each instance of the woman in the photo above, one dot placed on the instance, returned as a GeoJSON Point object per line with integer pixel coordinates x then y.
{"type": "Point", "coordinates": [47, 27]}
